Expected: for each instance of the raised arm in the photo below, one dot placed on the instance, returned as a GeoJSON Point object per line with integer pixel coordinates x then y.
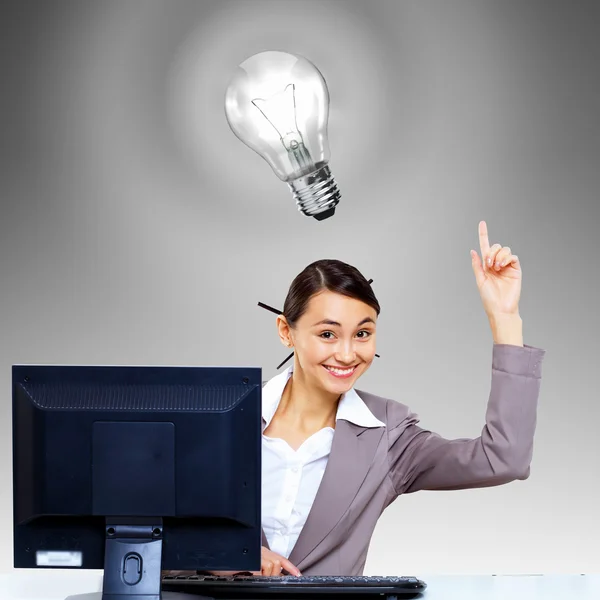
{"type": "Point", "coordinates": [422, 460]}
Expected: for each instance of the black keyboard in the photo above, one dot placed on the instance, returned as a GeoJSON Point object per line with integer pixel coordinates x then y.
{"type": "Point", "coordinates": [289, 587]}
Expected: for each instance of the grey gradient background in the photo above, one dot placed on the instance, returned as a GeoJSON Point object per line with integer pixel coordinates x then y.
{"type": "Point", "coordinates": [135, 228]}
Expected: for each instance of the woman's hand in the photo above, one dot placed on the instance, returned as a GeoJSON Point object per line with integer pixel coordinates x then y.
{"type": "Point", "coordinates": [272, 565]}
{"type": "Point", "coordinates": [498, 277]}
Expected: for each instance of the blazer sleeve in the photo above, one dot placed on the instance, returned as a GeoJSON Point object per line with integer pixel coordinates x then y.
{"type": "Point", "coordinates": [422, 460]}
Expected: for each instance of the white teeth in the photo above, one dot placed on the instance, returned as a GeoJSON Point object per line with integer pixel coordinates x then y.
{"type": "Point", "coordinates": [340, 371]}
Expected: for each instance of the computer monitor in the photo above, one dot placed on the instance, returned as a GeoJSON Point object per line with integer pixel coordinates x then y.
{"type": "Point", "coordinates": [136, 469]}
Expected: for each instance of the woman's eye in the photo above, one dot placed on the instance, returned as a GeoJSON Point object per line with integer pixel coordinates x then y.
{"type": "Point", "coordinates": [328, 335]}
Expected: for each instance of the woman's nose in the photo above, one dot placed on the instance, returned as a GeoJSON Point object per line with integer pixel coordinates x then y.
{"type": "Point", "coordinates": [346, 352]}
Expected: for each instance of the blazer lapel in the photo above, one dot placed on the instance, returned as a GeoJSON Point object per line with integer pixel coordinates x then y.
{"type": "Point", "coordinates": [352, 453]}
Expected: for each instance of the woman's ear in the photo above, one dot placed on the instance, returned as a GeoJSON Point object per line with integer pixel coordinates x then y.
{"type": "Point", "coordinates": [284, 331]}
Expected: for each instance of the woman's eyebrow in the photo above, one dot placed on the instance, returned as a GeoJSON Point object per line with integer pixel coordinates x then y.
{"type": "Point", "coordinates": [336, 324]}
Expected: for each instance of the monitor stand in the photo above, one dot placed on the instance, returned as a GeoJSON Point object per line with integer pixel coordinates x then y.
{"type": "Point", "coordinates": [133, 562]}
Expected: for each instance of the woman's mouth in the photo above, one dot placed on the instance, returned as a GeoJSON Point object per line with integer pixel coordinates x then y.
{"type": "Point", "coordinates": [341, 373]}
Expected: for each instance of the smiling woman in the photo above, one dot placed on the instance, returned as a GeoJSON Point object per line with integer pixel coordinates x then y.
{"type": "Point", "coordinates": [334, 457]}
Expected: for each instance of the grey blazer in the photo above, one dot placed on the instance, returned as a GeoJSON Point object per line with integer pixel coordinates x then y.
{"type": "Point", "coordinates": [368, 468]}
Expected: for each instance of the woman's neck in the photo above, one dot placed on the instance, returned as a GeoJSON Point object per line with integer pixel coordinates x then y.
{"type": "Point", "coordinates": [305, 407]}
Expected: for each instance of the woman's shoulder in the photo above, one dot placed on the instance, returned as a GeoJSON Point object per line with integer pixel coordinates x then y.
{"type": "Point", "coordinates": [391, 412]}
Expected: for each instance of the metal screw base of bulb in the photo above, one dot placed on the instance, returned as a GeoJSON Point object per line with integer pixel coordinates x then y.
{"type": "Point", "coordinates": [316, 194]}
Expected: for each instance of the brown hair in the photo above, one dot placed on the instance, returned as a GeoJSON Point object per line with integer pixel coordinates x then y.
{"type": "Point", "coordinates": [326, 274]}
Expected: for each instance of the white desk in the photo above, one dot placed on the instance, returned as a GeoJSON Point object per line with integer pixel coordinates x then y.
{"type": "Point", "coordinates": [57, 585]}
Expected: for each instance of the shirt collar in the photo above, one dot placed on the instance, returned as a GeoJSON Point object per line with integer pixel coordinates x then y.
{"type": "Point", "coordinates": [350, 408]}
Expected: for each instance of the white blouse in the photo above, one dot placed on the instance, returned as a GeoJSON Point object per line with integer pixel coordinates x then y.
{"type": "Point", "coordinates": [290, 479]}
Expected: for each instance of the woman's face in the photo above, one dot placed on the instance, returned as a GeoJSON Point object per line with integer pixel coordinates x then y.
{"type": "Point", "coordinates": [334, 341]}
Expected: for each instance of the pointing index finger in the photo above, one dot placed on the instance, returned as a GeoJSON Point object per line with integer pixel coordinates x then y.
{"type": "Point", "coordinates": [484, 242]}
{"type": "Point", "coordinates": [290, 568]}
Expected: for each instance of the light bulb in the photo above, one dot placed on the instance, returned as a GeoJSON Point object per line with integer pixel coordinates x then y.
{"type": "Point", "coordinates": [278, 105]}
